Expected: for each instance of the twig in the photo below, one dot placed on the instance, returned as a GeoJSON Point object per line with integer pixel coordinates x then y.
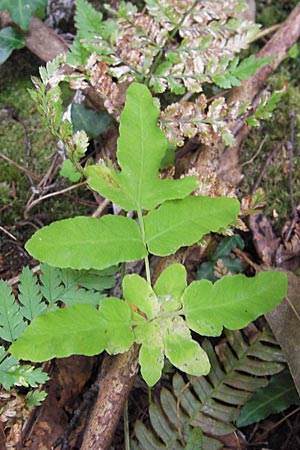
{"type": "Point", "coordinates": [290, 146]}
{"type": "Point", "coordinates": [249, 261]}
{"type": "Point", "coordinates": [256, 154]}
{"type": "Point", "coordinates": [263, 172]}
{"type": "Point", "coordinates": [53, 194]}
{"type": "Point", "coordinates": [179, 429]}
{"type": "Point", "coordinates": [8, 233]}
{"type": "Point", "coordinates": [101, 208]}
{"type": "Point", "coordinates": [23, 169]}
{"type": "Point", "coordinates": [265, 32]}
{"type": "Point", "coordinates": [277, 424]}
{"type": "Point", "coordinates": [291, 305]}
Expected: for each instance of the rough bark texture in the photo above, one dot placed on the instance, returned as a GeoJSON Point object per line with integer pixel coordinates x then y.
{"type": "Point", "coordinates": [43, 41]}
{"type": "Point", "coordinates": [117, 377]}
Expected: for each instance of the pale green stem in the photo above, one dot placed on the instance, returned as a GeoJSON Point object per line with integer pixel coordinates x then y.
{"type": "Point", "coordinates": [126, 427]}
{"type": "Point", "coordinates": [149, 396]}
{"type": "Point", "coordinates": [146, 259]}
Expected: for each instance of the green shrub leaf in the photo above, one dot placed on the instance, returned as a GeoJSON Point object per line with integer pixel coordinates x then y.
{"type": "Point", "coordinates": [68, 171]}
{"type": "Point", "coordinates": [276, 397]}
{"type": "Point", "coordinates": [92, 122]}
{"type": "Point", "coordinates": [231, 302]}
{"type": "Point", "coordinates": [10, 40]}
{"type": "Point", "coordinates": [84, 242]}
{"type": "Point", "coordinates": [141, 148]}
{"type": "Point", "coordinates": [79, 329]}
{"type": "Point", "coordinates": [21, 11]}
{"type": "Point", "coordinates": [183, 222]}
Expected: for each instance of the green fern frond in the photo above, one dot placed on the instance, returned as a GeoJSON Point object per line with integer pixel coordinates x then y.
{"type": "Point", "coordinates": [75, 286]}
{"type": "Point", "coordinates": [11, 318]}
{"type": "Point", "coordinates": [14, 374]}
{"type": "Point", "coordinates": [211, 403]}
{"type": "Point", "coordinates": [32, 304]}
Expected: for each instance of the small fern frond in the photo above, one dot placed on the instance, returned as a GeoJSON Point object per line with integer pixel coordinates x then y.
{"type": "Point", "coordinates": [75, 286]}
{"type": "Point", "coordinates": [51, 287]}
{"type": "Point", "coordinates": [14, 374]}
{"type": "Point", "coordinates": [189, 119]}
{"type": "Point", "coordinates": [239, 367]}
{"type": "Point", "coordinates": [11, 318]}
{"type": "Point", "coordinates": [31, 299]}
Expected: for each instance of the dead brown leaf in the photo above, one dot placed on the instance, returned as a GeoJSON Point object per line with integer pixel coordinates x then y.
{"type": "Point", "coordinates": [285, 323]}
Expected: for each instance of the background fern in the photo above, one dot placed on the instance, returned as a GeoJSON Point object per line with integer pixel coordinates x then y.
{"type": "Point", "coordinates": [239, 366]}
{"type": "Point", "coordinates": [38, 295]}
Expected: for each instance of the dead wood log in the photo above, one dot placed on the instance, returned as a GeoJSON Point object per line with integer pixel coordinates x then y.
{"type": "Point", "coordinates": [115, 385]}
{"type": "Point", "coordinates": [41, 40]}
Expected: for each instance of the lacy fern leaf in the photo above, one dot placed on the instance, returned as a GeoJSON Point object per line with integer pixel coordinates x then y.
{"type": "Point", "coordinates": [11, 318]}
{"type": "Point", "coordinates": [14, 374]}
{"type": "Point", "coordinates": [32, 304]}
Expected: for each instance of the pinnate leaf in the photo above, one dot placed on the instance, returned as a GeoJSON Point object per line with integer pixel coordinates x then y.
{"type": "Point", "coordinates": [11, 319]}
{"type": "Point", "coordinates": [84, 242]}
{"type": "Point", "coordinates": [79, 329]}
{"type": "Point", "coordinates": [51, 286]}
{"type": "Point", "coordinates": [87, 19]}
{"type": "Point", "coordinates": [35, 398]}
{"type": "Point", "coordinates": [231, 302]}
{"type": "Point", "coordinates": [30, 295]}
{"type": "Point", "coordinates": [12, 373]}
{"type": "Point", "coordinates": [183, 222]}
{"type": "Point", "coordinates": [141, 148]}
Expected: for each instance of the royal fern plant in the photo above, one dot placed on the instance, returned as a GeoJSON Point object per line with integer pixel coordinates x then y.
{"type": "Point", "coordinates": [165, 217]}
{"type": "Point", "coordinates": [135, 58]}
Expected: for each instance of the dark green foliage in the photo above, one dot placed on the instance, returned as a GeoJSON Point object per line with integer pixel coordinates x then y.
{"type": "Point", "coordinates": [238, 369]}
{"type": "Point", "coordinates": [274, 398]}
{"type": "Point", "coordinates": [222, 261]}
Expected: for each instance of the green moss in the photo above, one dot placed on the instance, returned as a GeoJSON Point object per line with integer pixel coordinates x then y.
{"type": "Point", "coordinates": [17, 114]}
{"type": "Point", "coordinates": [276, 130]}
{"type": "Point", "coordinates": [272, 12]}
